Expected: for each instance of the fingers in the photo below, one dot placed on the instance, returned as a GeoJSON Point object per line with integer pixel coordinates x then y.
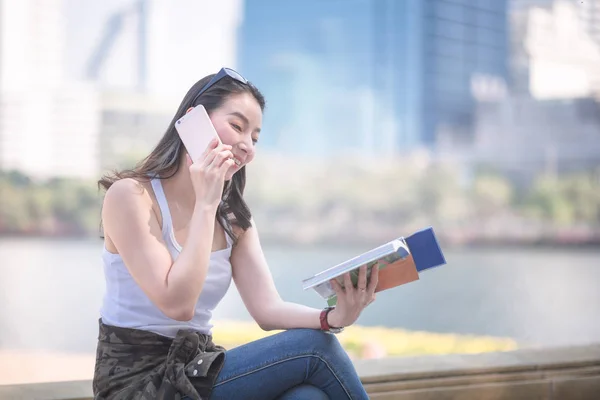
{"type": "Point", "coordinates": [224, 156]}
{"type": "Point", "coordinates": [352, 301]}
{"type": "Point", "coordinates": [339, 290]}
{"type": "Point", "coordinates": [212, 145]}
{"type": "Point", "coordinates": [374, 279]}
{"type": "Point", "coordinates": [228, 163]}
{"type": "Point", "coordinates": [217, 156]}
{"type": "Point", "coordinates": [348, 281]}
{"type": "Point", "coordinates": [362, 278]}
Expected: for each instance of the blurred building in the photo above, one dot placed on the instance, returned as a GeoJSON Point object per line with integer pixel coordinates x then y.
{"type": "Point", "coordinates": [143, 56]}
{"type": "Point", "coordinates": [523, 136]}
{"type": "Point", "coordinates": [587, 11]}
{"type": "Point", "coordinates": [555, 54]}
{"type": "Point", "coordinates": [131, 125]}
{"type": "Point", "coordinates": [379, 76]}
{"type": "Point", "coordinates": [87, 85]}
{"type": "Point", "coordinates": [550, 121]}
{"type": "Point", "coordinates": [48, 126]}
{"type": "Point", "coordinates": [150, 45]}
{"type": "Point", "coordinates": [312, 61]}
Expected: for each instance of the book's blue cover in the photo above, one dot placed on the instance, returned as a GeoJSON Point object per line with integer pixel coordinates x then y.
{"type": "Point", "coordinates": [425, 249]}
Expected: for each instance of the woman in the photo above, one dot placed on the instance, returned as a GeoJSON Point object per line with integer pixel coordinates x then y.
{"type": "Point", "coordinates": [175, 233]}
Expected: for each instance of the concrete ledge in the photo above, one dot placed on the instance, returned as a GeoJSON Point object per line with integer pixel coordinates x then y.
{"type": "Point", "coordinates": [553, 373]}
{"type": "Point", "coordinates": [73, 390]}
{"type": "Point", "coordinates": [545, 374]}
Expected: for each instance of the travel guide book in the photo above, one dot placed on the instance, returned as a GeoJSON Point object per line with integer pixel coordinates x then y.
{"type": "Point", "coordinates": [400, 261]}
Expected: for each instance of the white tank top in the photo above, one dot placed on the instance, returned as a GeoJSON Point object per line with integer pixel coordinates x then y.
{"type": "Point", "coordinates": [126, 305]}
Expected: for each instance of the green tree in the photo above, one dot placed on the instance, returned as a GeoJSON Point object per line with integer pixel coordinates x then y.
{"type": "Point", "coordinates": [492, 193]}
{"type": "Point", "coordinates": [546, 200]}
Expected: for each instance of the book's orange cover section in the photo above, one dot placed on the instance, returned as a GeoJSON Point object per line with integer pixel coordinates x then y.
{"type": "Point", "coordinates": [397, 273]}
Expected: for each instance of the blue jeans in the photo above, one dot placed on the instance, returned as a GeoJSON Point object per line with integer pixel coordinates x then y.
{"type": "Point", "coordinates": [291, 365]}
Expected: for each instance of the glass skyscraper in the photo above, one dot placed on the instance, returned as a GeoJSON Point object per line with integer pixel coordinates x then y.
{"type": "Point", "coordinates": [376, 76]}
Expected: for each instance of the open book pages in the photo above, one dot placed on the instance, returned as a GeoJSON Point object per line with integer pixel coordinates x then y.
{"type": "Point", "coordinates": [400, 261]}
{"type": "Point", "coordinates": [389, 254]}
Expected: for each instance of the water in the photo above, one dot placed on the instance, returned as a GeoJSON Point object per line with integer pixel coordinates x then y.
{"type": "Point", "coordinates": [50, 293]}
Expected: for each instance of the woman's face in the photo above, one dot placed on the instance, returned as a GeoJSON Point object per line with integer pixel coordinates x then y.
{"type": "Point", "coordinates": [238, 122]}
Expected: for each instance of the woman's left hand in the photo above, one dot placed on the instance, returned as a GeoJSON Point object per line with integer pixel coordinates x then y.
{"type": "Point", "coordinates": [352, 300]}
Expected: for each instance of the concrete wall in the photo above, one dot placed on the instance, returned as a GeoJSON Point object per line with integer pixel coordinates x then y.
{"type": "Point", "coordinates": [546, 374]}
{"type": "Point", "coordinates": [552, 374]}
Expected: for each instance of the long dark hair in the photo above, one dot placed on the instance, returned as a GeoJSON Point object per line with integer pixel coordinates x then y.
{"type": "Point", "coordinates": [164, 160]}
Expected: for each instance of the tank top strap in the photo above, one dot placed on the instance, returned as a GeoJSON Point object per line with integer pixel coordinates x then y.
{"type": "Point", "coordinates": [228, 238]}
{"type": "Point", "coordinates": [167, 222]}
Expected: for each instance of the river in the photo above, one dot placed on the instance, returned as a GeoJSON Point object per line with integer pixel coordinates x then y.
{"type": "Point", "coordinates": [51, 290]}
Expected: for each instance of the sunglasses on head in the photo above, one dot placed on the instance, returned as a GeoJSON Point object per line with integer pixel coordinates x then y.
{"type": "Point", "coordinates": [220, 75]}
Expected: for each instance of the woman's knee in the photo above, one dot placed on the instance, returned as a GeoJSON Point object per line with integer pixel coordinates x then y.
{"type": "Point", "coordinates": [317, 341]}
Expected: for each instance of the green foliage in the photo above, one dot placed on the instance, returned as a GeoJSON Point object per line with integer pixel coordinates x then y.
{"type": "Point", "coordinates": [491, 193]}
{"type": "Point", "coordinates": [335, 198]}
{"type": "Point", "coordinates": [565, 201]}
{"type": "Point", "coordinates": [58, 206]}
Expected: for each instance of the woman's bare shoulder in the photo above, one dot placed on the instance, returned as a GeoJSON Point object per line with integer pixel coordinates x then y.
{"type": "Point", "coordinates": [128, 190]}
{"type": "Point", "coordinates": [129, 202]}
{"type": "Point", "coordinates": [128, 195]}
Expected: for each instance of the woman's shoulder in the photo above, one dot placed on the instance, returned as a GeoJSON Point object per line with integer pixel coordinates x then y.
{"type": "Point", "coordinates": [128, 192]}
{"type": "Point", "coordinates": [127, 205]}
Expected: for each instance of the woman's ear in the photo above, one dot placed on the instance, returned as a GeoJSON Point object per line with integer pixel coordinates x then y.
{"type": "Point", "coordinates": [189, 109]}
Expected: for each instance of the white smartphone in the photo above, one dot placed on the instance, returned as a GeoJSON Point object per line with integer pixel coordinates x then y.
{"type": "Point", "coordinates": [196, 131]}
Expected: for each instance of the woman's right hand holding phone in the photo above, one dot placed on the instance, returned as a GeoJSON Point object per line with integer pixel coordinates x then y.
{"type": "Point", "coordinates": [208, 173]}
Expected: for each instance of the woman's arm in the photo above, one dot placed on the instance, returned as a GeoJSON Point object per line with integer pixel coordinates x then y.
{"type": "Point", "coordinates": [257, 289]}
{"type": "Point", "coordinates": [132, 227]}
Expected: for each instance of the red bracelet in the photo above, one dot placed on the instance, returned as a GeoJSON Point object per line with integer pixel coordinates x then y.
{"type": "Point", "coordinates": [325, 324]}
